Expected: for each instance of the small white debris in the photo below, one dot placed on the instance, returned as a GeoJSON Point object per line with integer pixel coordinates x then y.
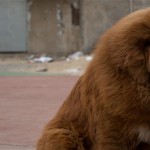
{"type": "Point", "coordinates": [73, 70]}
{"type": "Point", "coordinates": [75, 56]}
{"type": "Point", "coordinates": [43, 59]}
{"type": "Point", "coordinates": [30, 57]}
{"type": "Point", "coordinates": [89, 58]}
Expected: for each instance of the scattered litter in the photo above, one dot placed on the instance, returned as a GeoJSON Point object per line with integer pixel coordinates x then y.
{"type": "Point", "coordinates": [73, 70]}
{"type": "Point", "coordinates": [89, 58]}
{"type": "Point", "coordinates": [43, 59]}
{"type": "Point", "coordinates": [75, 56]}
{"type": "Point", "coordinates": [42, 70]}
{"type": "Point", "coordinates": [30, 57]}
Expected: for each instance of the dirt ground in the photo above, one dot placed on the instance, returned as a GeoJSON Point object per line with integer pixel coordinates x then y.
{"type": "Point", "coordinates": [57, 67]}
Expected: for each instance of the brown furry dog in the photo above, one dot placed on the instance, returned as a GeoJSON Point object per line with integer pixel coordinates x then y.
{"type": "Point", "coordinates": [109, 107]}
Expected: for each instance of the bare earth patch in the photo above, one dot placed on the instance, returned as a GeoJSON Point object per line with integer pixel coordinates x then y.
{"type": "Point", "coordinates": [57, 67]}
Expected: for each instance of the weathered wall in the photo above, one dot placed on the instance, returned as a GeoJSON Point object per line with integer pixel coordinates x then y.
{"type": "Point", "coordinates": [97, 16]}
{"type": "Point", "coordinates": [138, 4]}
{"type": "Point", "coordinates": [52, 29]}
{"type": "Point", "coordinates": [40, 28]}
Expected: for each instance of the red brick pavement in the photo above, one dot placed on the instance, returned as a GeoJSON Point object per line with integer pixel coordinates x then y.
{"type": "Point", "coordinates": [27, 104]}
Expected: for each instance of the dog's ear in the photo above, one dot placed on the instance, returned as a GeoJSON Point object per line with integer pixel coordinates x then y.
{"type": "Point", "coordinates": [147, 58]}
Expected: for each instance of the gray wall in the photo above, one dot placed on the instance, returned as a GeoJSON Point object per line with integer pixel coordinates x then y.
{"type": "Point", "coordinates": [52, 30]}
{"type": "Point", "coordinates": [47, 31]}
{"type": "Point", "coordinates": [99, 15]}
{"type": "Point", "coordinates": [13, 26]}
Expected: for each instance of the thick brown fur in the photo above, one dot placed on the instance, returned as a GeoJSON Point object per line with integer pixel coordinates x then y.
{"type": "Point", "coordinates": [109, 107]}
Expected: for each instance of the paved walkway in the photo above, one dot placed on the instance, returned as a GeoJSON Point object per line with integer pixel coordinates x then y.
{"type": "Point", "coordinates": [26, 105]}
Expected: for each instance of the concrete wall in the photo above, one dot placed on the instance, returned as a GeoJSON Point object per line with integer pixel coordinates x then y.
{"type": "Point", "coordinates": [99, 16]}
{"type": "Point", "coordinates": [138, 4]}
{"type": "Point", "coordinates": [48, 32]}
{"type": "Point", "coordinates": [52, 31]}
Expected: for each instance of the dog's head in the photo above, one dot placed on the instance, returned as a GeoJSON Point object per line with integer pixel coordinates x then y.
{"type": "Point", "coordinates": [128, 45]}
